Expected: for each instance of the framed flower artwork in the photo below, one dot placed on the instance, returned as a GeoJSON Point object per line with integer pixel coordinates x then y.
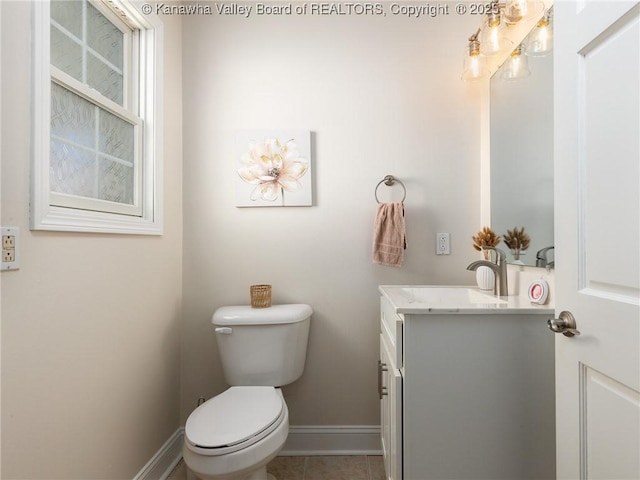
{"type": "Point", "coordinates": [273, 168]}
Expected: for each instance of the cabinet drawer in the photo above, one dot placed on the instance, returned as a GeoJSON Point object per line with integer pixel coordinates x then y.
{"type": "Point", "coordinates": [391, 329]}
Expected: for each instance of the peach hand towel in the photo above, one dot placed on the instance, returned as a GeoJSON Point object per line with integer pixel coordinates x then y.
{"type": "Point", "coordinates": [389, 239]}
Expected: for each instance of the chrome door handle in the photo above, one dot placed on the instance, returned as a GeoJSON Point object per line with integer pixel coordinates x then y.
{"type": "Point", "coordinates": [564, 324]}
{"type": "Point", "coordinates": [382, 390]}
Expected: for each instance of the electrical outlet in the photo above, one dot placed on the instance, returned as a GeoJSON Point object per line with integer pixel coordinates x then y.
{"type": "Point", "coordinates": [10, 250]}
{"type": "Point", "coordinates": [8, 241]}
{"type": "Point", "coordinates": [8, 255]}
{"type": "Point", "coordinates": [442, 244]}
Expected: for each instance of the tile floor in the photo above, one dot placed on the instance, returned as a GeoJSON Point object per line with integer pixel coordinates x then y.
{"type": "Point", "coordinates": [357, 467]}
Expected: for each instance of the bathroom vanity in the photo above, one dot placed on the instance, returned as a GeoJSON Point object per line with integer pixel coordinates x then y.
{"type": "Point", "coordinates": [466, 382]}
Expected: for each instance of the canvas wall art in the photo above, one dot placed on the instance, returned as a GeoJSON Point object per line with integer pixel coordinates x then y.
{"type": "Point", "coordinates": [273, 168]}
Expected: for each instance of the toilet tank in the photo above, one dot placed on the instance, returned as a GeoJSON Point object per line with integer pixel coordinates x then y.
{"type": "Point", "coordinates": [262, 346]}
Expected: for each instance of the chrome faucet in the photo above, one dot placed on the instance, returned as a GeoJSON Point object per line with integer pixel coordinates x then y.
{"type": "Point", "coordinates": [541, 257]}
{"type": "Point", "coordinates": [500, 286]}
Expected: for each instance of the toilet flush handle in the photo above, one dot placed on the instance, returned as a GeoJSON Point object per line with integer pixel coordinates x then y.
{"type": "Point", "coordinates": [225, 330]}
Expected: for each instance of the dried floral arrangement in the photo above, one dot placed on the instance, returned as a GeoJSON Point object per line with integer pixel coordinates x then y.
{"type": "Point", "coordinates": [485, 238]}
{"type": "Point", "coordinates": [517, 241]}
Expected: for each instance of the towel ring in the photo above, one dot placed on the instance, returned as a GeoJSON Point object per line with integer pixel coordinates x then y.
{"type": "Point", "coordinates": [389, 181]}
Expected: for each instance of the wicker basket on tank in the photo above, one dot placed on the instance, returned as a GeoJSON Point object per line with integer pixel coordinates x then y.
{"type": "Point", "coordinates": [260, 296]}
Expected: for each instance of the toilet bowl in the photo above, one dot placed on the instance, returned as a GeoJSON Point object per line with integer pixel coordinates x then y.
{"type": "Point", "coordinates": [233, 435]}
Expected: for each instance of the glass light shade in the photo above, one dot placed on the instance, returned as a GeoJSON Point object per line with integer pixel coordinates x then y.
{"type": "Point", "coordinates": [473, 67]}
{"type": "Point", "coordinates": [493, 38]}
{"type": "Point", "coordinates": [516, 66]}
{"type": "Point", "coordinates": [540, 40]}
{"type": "Point", "coordinates": [516, 10]}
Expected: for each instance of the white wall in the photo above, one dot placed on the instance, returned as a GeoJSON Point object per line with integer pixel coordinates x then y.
{"type": "Point", "coordinates": [90, 323]}
{"type": "Point", "coordinates": [381, 96]}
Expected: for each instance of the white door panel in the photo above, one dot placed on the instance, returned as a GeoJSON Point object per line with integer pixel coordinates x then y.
{"type": "Point", "coordinates": [597, 175]}
{"type": "Point", "coordinates": [613, 407]}
{"type": "Point", "coordinates": [608, 103]}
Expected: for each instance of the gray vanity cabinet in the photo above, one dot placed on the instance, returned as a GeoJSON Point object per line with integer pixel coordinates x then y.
{"type": "Point", "coordinates": [467, 396]}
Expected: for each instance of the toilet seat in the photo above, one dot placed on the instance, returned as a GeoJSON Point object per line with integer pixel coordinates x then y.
{"type": "Point", "coordinates": [233, 420]}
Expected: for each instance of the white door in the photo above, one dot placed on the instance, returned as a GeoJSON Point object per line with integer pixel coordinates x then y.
{"type": "Point", "coordinates": [597, 136]}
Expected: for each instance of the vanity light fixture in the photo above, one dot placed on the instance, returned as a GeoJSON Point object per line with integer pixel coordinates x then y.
{"type": "Point", "coordinates": [540, 40]}
{"type": "Point", "coordinates": [490, 39]}
{"type": "Point", "coordinates": [473, 67]}
{"type": "Point", "coordinates": [516, 66]}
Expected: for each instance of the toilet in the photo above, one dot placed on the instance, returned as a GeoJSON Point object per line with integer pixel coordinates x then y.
{"type": "Point", "coordinates": [233, 435]}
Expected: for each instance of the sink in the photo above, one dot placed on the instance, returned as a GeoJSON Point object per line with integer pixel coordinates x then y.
{"type": "Point", "coordinates": [417, 299]}
{"type": "Point", "coordinates": [447, 296]}
{"type": "Point", "coordinates": [435, 299]}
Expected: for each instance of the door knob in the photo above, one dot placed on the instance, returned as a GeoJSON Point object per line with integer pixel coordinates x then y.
{"type": "Point", "coordinates": [564, 324]}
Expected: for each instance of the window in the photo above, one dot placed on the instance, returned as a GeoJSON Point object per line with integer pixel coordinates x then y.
{"type": "Point", "coordinates": [97, 162]}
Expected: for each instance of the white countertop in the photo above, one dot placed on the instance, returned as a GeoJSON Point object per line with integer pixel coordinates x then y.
{"type": "Point", "coordinates": [435, 299]}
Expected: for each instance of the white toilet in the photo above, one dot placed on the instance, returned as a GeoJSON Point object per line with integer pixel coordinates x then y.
{"type": "Point", "coordinates": [234, 435]}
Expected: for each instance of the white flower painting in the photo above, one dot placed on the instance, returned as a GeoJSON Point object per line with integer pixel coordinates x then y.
{"type": "Point", "coordinates": [274, 168]}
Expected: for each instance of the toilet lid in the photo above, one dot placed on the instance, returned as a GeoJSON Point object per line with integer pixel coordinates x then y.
{"type": "Point", "coordinates": [233, 417]}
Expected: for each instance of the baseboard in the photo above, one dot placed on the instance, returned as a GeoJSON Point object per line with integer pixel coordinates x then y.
{"type": "Point", "coordinates": [165, 460]}
{"type": "Point", "coordinates": [302, 441]}
{"type": "Point", "coordinates": [332, 440]}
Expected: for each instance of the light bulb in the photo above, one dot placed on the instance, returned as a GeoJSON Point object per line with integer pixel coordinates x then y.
{"type": "Point", "coordinates": [492, 36]}
{"type": "Point", "coordinates": [516, 66]}
{"type": "Point", "coordinates": [540, 41]}
{"type": "Point", "coordinates": [473, 67]}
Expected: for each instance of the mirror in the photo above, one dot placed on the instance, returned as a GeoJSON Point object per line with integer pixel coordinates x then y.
{"type": "Point", "coordinates": [521, 116]}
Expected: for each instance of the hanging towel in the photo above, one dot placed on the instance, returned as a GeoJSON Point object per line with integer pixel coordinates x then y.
{"type": "Point", "coordinates": [389, 239]}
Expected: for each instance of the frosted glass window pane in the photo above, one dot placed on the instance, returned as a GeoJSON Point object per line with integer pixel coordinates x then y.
{"type": "Point", "coordinates": [66, 54]}
{"type": "Point", "coordinates": [82, 132]}
{"type": "Point", "coordinates": [116, 181]}
{"type": "Point", "coordinates": [104, 79]}
{"type": "Point", "coordinates": [104, 37]}
{"type": "Point", "coordinates": [116, 137]}
{"type": "Point", "coordinates": [72, 117]}
{"type": "Point", "coordinates": [72, 170]}
{"type": "Point", "coordinates": [94, 55]}
{"type": "Point", "coordinates": [68, 13]}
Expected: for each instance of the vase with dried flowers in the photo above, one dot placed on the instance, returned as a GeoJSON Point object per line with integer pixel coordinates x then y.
{"type": "Point", "coordinates": [517, 241]}
{"type": "Point", "coordinates": [486, 237]}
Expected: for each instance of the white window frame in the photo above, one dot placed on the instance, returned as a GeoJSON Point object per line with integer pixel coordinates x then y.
{"type": "Point", "coordinates": [54, 211]}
